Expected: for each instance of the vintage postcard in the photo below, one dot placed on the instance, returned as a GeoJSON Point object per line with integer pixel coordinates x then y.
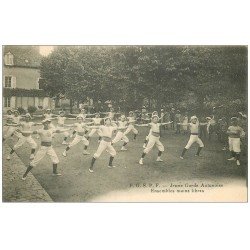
{"type": "Point", "coordinates": [124, 123]}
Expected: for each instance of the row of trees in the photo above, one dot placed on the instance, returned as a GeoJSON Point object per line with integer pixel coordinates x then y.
{"type": "Point", "coordinates": [129, 75]}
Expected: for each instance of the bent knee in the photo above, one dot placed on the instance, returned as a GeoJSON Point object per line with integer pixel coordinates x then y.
{"type": "Point", "coordinates": [96, 156]}
{"type": "Point", "coordinates": [55, 161]}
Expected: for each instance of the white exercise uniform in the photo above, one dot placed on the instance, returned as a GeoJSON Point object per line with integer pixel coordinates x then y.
{"type": "Point", "coordinates": [154, 138]}
{"type": "Point", "coordinates": [60, 125]}
{"type": "Point", "coordinates": [185, 123]}
{"type": "Point", "coordinates": [11, 119]}
{"type": "Point", "coordinates": [120, 134]}
{"type": "Point", "coordinates": [111, 115]}
{"type": "Point", "coordinates": [194, 137]}
{"type": "Point", "coordinates": [234, 139]}
{"type": "Point", "coordinates": [80, 131]}
{"type": "Point", "coordinates": [97, 122]}
{"type": "Point", "coordinates": [50, 117]}
{"type": "Point", "coordinates": [106, 132]}
{"type": "Point", "coordinates": [26, 132]}
{"type": "Point", "coordinates": [46, 147]}
{"type": "Point", "coordinates": [131, 127]}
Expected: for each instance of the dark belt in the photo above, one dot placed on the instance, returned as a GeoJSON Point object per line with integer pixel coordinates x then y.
{"type": "Point", "coordinates": [194, 134]}
{"type": "Point", "coordinates": [46, 144]}
{"type": "Point", "coordinates": [156, 134]}
{"type": "Point", "coordinates": [106, 139]}
{"type": "Point", "coordinates": [26, 134]}
{"type": "Point", "coordinates": [80, 133]}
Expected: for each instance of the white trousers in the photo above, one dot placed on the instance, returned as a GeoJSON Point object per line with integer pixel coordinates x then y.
{"type": "Point", "coordinates": [192, 140]}
{"type": "Point", "coordinates": [120, 136]}
{"type": "Point", "coordinates": [11, 130]}
{"type": "Point", "coordinates": [24, 139]}
{"type": "Point", "coordinates": [105, 146]}
{"type": "Point", "coordinates": [234, 144]}
{"type": "Point", "coordinates": [132, 128]}
{"type": "Point", "coordinates": [77, 139]}
{"type": "Point", "coordinates": [42, 152]}
{"type": "Point", "coordinates": [153, 140]}
{"type": "Point", "coordinates": [65, 133]}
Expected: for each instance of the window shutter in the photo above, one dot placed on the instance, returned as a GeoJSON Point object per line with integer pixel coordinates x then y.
{"type": "Point", "coordinates": [13, 82]}
{"type": "Point", "coordinates": [6, 60]}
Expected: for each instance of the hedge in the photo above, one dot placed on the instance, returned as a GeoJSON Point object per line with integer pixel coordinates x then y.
{"type": "Point", "coordinates": [8, 92]}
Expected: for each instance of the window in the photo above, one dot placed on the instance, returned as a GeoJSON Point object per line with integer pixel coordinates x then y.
{"type": "Point", "coordinates": [9, 59]}
{"type": "Point", "coordinates": [41, 82]}
{"type": "Point", "coordinates": [7, 82]}
{"type": "Point", "coordinates": [6, 102]}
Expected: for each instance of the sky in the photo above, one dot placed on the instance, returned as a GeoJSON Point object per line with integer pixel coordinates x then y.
{"type": "Point", "coordinates": [45, 50]}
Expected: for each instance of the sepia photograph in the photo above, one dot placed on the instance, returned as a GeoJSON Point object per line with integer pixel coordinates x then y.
{"type": "Point", "coordinates": [124, 123]}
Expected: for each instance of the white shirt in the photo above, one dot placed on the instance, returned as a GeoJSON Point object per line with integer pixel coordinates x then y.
{"type": "Point", "coordinates": [107, 131]}
{"type": "Point", "coordinates": [16, 119]}
{"type": "Point", "coordinates": [48, 116]}
{"type": "Point", "coordinates": [155, 127]}
{"type": "Point", "coordinates": [46, 135]}
{"type": "Point", "coordinates": [61, 120]}
{"type": "Point", "coordinates": [97, 120]}
{"type": "Point", "coordinates": [122, 124]}
{"type": "Point", "coordinates": [131, 119]}
{"type": "Point", "coordinates": [9, 119]}
{"type": "Point", "coordinates": [27, 127]}
{"type": "Point", "coordinates": [111, 115]}
{"type": "Point", "coordinates": [194, 128]}
{"type": "Point", "coordinates": [237, 130]}
{"type": "Point", "coordinates": [82, 115]}
{"type": "Point", "coordinates": [79, 127]}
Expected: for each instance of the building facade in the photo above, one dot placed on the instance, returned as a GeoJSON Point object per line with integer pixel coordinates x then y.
{"type": "Point", "coordinates": [21, 79]}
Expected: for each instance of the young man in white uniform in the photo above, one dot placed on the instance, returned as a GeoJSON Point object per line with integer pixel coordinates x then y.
{"type": "Point", "coordinates": [194, 137]}
{"type": "Point", "coordinates": [235, 132]}
{"type": "Point", "coordinates": [12, 130]}
{"type": "Point", "coordinates": [153, 138]}
{"type": "Point", "coordinates": [155, 113]}
{"type": "Point", "coordinates": [131, 121]}
{"type": "Point", "coordinates": [106, 131]}
{"type": "Point", "coordinates": [97, 122]}
{"type": "Point", "coordinates": [46, 135]}
{"type": "Point", "coordinates": [80, 129]}
{"type": "Point", "coordinates": [84, 115]}
{"type": "Point", "coordinates": [61, 123]}
{"type": "Point", "coordinates": [26, 132]}
{"type": "Point", "coordinates": [122, 125]}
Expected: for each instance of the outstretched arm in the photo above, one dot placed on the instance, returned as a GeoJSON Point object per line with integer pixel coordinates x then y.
{"type": "Point", "coordinates": [12, 125]}
{"type": "Point", "coordinates": [61, 130]}
{"type": "Point", "coordinates": [142, 125]}
{"type": "Point", "coordinates": [93, 127]}
{"type": "Point", "coordinates": [165, 123]}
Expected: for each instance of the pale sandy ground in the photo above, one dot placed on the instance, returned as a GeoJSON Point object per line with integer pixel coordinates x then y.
{"type": "Point", "coordinates": [235, 191]}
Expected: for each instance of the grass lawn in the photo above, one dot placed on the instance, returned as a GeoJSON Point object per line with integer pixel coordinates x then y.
{"type": "Point", "coordinates": [78, 185]}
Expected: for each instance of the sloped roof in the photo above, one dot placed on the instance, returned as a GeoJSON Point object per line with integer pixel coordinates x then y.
{"type": "Point", "coordinates": [24, 56]}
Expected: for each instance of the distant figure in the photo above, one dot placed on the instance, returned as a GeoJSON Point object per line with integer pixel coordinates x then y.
{"type": "Point", "coordinates": [185, 123]}
{"type": "Point", "coordinates": [172, 118]}
{"type": "Point", "coordinates": [167, 119]}
{"type": "Point", "coordinates": [178, 120]}
{"type": "Point", "coordinates": [203, 127]}
{"type": "Point", "coordinates": [222, 132]}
